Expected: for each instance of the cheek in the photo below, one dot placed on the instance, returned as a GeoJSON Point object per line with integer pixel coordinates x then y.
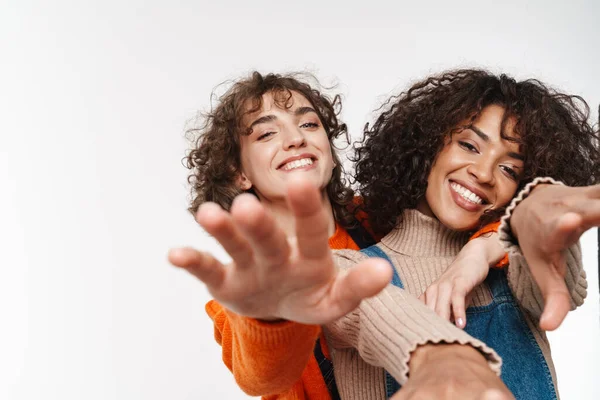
{"type": "Point", "coordinates": [327, 152]}
{"type": "Point", "coordinates": [506, 193]}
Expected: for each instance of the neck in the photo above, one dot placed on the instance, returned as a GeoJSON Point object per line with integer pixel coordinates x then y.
{"type": "Point", "coordinates": [285, 217]}
{"type": "Point", "coordinates": [420, 235]}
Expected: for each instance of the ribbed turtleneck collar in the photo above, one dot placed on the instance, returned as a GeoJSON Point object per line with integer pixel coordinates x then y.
{"type": "Point", "coordinates": [420, 235]}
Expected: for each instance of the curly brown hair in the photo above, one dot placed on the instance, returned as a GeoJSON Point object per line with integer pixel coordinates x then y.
{"type": "Point", "coordinates": [214, 159]}
{"type": "Point", "coordinates": [395, 157]}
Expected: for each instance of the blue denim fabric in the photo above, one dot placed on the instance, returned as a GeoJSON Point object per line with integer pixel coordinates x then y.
{"type": "Point", "coordinates": [502, 326]}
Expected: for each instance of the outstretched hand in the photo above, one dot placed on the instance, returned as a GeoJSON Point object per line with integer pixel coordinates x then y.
{"type": "Point", "coordinates": [273, 277]}
{"type": "Point", "coordinates": [546, 223]}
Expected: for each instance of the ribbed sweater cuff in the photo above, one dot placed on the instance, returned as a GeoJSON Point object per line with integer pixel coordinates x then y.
{"type": "Point", "coordinates": [275, 334]}
{"type": "Point", "coordinates": [421, 326]}
{"type": "Point", "coordinates": [507, 238]}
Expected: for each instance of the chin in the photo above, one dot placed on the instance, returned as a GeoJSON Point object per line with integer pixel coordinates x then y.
{"type": "Point", "coordinates": [460, 224]}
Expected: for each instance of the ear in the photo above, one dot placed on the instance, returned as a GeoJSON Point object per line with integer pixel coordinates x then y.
{"type": "Point", "coordinates": [243, 182]}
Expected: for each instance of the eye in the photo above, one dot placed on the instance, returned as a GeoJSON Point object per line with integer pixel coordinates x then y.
{"type": "Point", "coordinates": [510, 172]}
{"type": "Point", "coordinates": [309, 125]}
{"type": "Point", "coordinates": [468, 146]}
{"type": "Point", "coordinates": [265, 135]}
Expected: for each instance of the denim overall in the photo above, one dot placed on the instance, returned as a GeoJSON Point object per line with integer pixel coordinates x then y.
{"type": "Point", "coordinates": [500, 325]}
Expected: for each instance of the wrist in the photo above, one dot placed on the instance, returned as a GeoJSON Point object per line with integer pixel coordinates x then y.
{"type": "Point", "coordinates": [517, 217]}
{"type": "Point", "coordinates": [485, 250]}
{"type": "Point", "coordinates": [434, 353]}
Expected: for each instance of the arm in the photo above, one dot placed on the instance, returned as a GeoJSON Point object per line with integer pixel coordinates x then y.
{"type": "Point", "coordinates": [387, 328]}
{"type": "Point", "coordinates": [540, 232]}
{"type": "Point", "coordinates": [272, 278]}
{"type": "Point", "coordinates": [448, 295]}
{"type": "Point", "coordinates": [265, 358]}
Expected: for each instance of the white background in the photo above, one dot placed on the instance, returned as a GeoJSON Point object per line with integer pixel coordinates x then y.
{"type": "Point", "coordinates": [93, 101]}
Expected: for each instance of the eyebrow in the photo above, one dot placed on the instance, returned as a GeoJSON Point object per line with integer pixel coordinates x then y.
{"type": "Point", "coordinates": [486, 138]}
{"type": "Point", "coordinates": [270, 118]}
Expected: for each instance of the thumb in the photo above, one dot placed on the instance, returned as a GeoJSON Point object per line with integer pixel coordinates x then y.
{"type": "Point", "coordinates": [557, 301]}
{"type": "Point", "coordinates": [557, 304]}
{"type": "Point", "coordinates": [362, 281]}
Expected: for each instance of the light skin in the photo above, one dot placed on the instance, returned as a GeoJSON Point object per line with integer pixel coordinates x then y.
{"type": "Point", "coordinates": [261, 234]}
{"type": "Point", "coordinates": [284, 142]}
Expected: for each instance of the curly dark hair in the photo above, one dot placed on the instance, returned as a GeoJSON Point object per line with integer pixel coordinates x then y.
{"type": "Point", "coordinates": [394, 159]}
{"type": "Point", "coordinates": [214, 159]}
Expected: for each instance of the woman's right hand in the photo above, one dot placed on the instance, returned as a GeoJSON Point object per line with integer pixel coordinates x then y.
{"type": "Point", "coordinates": [271, 277]}
{"type": "Point", "coordinates": [449, 295]}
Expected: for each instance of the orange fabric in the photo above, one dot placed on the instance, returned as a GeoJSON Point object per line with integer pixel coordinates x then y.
{"type": "Point", "coordinates": [275, 360]}
{"type": "Point", "coordinates": [489, 228]}
{"type": "Point", "coordinates": [363, 218]}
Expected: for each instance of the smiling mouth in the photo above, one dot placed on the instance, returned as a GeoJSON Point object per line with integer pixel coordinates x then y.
{"type": "Point", "coordinates": [467, 194]}
{"type": "Point", "coordinates": [303, 162]}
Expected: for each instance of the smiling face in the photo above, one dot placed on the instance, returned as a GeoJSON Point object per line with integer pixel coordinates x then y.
{"type": "Point", "coordinates": [283, 140]}
{"type": "Point", "coordinates": [475, 172]}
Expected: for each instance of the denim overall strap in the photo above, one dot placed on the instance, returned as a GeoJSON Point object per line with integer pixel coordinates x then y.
{"type": "Point", "coordinates": [361, 236]}
{"type": "Point", "coordinates": [391, 385]}
{"type": "Point", "coordinates": [374, 251]}
{"type": "Point", "coordinates": [502, 326]}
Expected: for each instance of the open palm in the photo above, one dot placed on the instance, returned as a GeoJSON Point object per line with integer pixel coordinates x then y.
{"type": "Point", "coordinates": [274, 277]}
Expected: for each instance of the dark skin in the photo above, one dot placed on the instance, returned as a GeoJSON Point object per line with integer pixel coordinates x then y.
{"type": "Point", "coordinates": [451, 371]}
{"type": "Point", "coordinates": [550, 220]}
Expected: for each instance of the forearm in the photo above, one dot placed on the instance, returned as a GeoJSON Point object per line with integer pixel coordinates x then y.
{"type": "Point", "coordinates": [519, 274]}
{"type": "Point", "coordinates": [486, 248]}
{"type": "Point", "coordinates": [265, 358]}
{"type": "Point", "coordinates": [386, 329]}
{"type": "Point", "coordinates": [527, 291]}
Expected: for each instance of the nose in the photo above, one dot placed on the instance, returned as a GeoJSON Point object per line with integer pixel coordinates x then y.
{"type": "Point", "coordinates": [294, 139]}
{"type": "Point", "coordinates": [482, 171]}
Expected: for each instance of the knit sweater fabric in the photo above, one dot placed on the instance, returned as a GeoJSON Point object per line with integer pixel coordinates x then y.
{"type": "Point", "coordinates": [382, 332]}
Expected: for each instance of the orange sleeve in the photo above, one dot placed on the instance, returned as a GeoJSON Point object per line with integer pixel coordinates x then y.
{"type": "Point", "coordinates": [489, 228]}
{"type": "Point", "coordinates": [265, 358]}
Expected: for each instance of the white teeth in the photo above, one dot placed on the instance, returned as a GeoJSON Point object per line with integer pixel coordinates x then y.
{"type": "Point", "coordinates": [297, 164]}
{"type": "Point", "coordinates": [466, 193]}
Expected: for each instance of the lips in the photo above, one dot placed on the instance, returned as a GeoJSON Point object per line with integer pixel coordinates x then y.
{"type": "Point", "coordinates": [298, 161]}
{"type": "Point", "coordinates": [469, 192]}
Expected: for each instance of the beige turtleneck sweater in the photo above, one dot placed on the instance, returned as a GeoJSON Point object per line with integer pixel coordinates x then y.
{"type": "Point", "coordinates": [382, 332]}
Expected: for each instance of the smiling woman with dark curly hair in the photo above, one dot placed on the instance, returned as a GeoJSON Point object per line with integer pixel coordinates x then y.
{"type": "Point", "coordinates": [443, 158]}
{"type": "Point", "coordinates": [398, 151]}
